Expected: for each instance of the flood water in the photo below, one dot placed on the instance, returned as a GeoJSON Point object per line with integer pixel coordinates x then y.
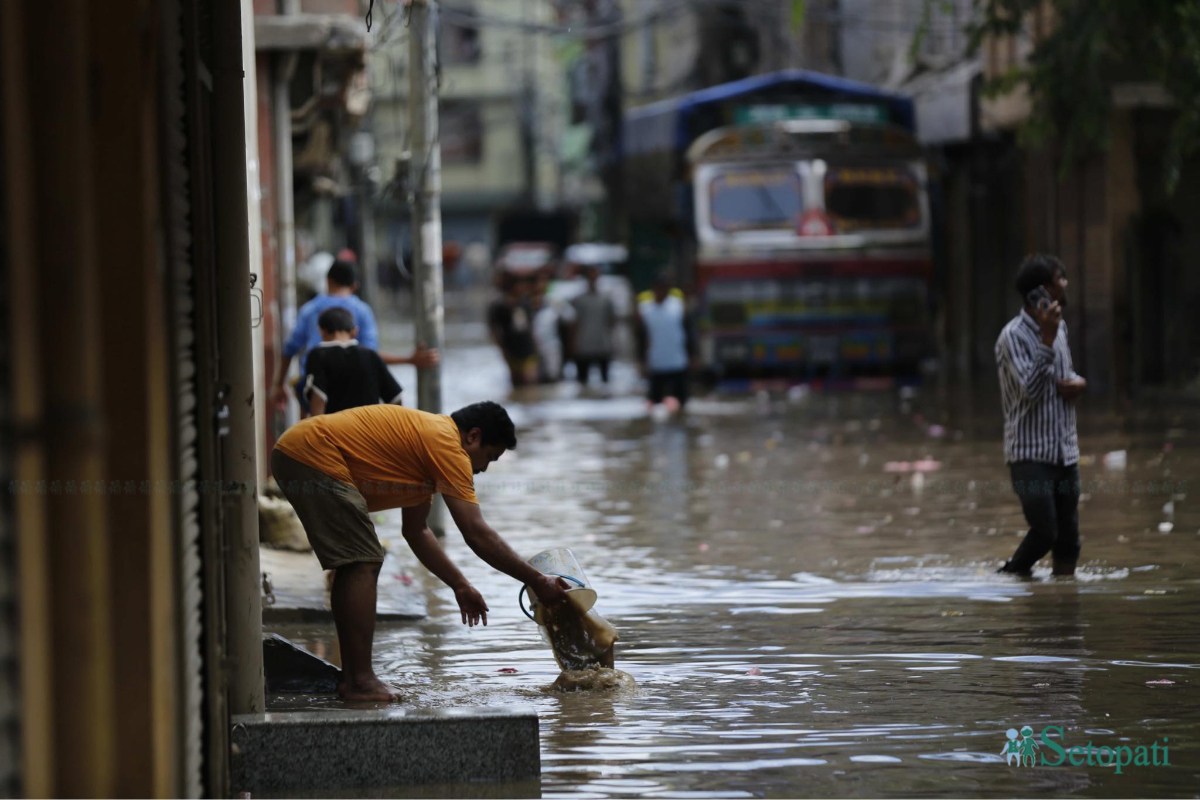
{"type": "Point", "coordinates": [801, 618]}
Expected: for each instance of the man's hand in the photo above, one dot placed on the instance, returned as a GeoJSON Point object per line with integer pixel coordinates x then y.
{"type": "Point", "coordinates": [424, 357]}
{"type": "Point", "coordinates": [279, 397]}
{"type": "Point", "coordinates": [1070, 388]}
{"type": "Point", "coordinates": [1047, 320]}
{"type": "Point", "coordinates": [472, 605]}
{"type": "Point", "coordinates": [550, 589]}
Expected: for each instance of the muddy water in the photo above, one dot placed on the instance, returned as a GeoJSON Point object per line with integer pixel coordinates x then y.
{"type": "Point", "coordinates": [803, 620]}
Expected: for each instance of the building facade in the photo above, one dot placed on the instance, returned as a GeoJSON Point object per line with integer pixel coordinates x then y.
{"type": "Point", "coordinates": [501, 107]}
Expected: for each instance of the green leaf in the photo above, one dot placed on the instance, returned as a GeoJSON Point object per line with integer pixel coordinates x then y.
{"type": "Point", "coordinates": [797, 15]}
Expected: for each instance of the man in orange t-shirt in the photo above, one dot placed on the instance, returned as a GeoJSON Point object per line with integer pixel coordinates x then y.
{"type": "Point", "coordinates": [337, 468]}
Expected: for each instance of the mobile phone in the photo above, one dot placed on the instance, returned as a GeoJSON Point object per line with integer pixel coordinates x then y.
{"type": "Point", "coordinates": [1039, 298]}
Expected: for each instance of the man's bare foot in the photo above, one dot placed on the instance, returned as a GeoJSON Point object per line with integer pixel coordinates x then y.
{"type": "Point", "coordinates": [371, 690]}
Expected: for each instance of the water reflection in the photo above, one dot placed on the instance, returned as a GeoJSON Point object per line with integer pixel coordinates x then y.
{"type": "Point", "coordinates": [801, 620]}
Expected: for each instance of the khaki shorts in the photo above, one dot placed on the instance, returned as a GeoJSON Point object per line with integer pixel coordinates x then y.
{"type": "Point", "coordinates": [334, 514]}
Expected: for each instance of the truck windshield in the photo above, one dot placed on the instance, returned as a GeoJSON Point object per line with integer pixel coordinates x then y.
{"type": "Point", "coordinates": [755, 198]}
{"type": "Point", "coordinates": [872, 198]}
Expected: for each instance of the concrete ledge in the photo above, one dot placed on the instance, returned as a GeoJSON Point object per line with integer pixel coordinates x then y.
{"type": "Point", "coordinates": [339, 750]}
{"type": "Point", "coordinates": [299, 594]}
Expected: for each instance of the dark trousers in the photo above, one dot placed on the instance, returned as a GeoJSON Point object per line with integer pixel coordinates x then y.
{"type": "Point", "coordinates": [669, 384]}
{"type": "Point", "coordinates": [583, 366]}
{"type": "Point", "coordinates": [1049, 495]}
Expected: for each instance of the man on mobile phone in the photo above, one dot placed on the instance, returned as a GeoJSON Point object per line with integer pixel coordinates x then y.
{"type": "Point", "coordinates": [1039, 387]}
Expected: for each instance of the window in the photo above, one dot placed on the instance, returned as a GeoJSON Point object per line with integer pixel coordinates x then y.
{"type": "Point", "coordinates": [460, 39]}
{"type": "Point", "coordinates": [760, 198]}
{"type": "Point", "coordinates": [872, 198]}
{"type": "Point", "coordinates": [460, 125]}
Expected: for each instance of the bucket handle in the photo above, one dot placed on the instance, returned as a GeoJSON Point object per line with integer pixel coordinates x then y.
{"type": "Point", "coordinates": [521, 593]}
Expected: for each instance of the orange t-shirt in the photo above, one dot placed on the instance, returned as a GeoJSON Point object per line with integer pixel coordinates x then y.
{"type": "Point", "coordinates": [395, 456]}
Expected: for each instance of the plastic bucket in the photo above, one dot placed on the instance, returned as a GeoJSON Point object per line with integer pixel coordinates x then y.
{"type": "Point", "coordinates": [561, 561]}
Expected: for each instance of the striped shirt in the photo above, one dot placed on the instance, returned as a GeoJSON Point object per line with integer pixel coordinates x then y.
{"type": "Point", "coordinates": [1039, 425]}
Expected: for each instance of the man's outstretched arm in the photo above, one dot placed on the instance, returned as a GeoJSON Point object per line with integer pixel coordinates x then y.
{"type": "Point", "coordinates": [429, 552]}
{"type": "Point", "coordinates": [420, 358]}
{"type": "Point", "coordinates": [489, 546]}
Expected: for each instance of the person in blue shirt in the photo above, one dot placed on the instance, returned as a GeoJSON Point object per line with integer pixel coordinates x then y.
{"type": "Point", "coordinates": [665, 343]}
{"type": "Point", "coordinates": [340, 284]}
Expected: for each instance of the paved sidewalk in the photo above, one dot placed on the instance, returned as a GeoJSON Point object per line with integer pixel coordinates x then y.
{"type": "Point", "coordinates": [298, 585]}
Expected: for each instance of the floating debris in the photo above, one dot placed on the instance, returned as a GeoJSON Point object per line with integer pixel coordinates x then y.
{"type": "Point", "coordinates": [923, 465]}
{"type": "Point", "coordinates": [1115, 460]}
{"type": "Point", "coordinates": [593, 679]}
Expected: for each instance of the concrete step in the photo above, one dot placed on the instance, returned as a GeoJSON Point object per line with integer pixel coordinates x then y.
{"type": "Point", "coordinates": [338, 751]}
{"type": "Point", "coordinates": [290, 669]}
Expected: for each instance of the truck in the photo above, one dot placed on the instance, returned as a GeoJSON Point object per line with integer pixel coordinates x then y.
{"type": "Point", "coordinates": [794, 209]}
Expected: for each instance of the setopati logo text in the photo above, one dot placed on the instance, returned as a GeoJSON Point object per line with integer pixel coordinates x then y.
{"type": "Point", "coordinates": [1025, 749]}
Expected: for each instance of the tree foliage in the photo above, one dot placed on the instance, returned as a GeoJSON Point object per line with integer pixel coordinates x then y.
{"type": "Point", "coordinates": [1093, 45]}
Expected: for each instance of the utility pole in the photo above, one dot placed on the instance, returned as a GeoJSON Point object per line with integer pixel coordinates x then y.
{"type": "Point", "coordinates": [527, 112]}
{"type": "Point", "coordinates": [362, 157]}
{"type": "Point", "coordinates": [282, 70]}
{"type": "Point", "coordinates": [235, 372]}
{"type": "Point", "coordinates": [426, 195]}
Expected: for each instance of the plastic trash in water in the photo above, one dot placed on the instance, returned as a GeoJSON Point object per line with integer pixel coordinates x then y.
{"type": "Point", "coordinates": [797, 394]}
{"type": "Point", "coordinates": [1114, 460]}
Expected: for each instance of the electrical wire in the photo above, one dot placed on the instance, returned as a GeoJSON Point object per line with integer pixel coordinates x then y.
{"type": "Point", "coordinates": [472, 18]}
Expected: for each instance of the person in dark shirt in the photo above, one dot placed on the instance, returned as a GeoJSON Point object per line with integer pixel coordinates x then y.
{"type": "Point", "coordinates": [341, 283]}
{"type": "Point", "coordinates": [510, 322]}
{"type": "Point", "coordinates": [341, 373]}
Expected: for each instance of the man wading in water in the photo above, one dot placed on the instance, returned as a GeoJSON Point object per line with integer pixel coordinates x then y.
{"type": "Point", "coordinates": [1039, 388]}
{"type": "Point", "coordinates": [337, 468]}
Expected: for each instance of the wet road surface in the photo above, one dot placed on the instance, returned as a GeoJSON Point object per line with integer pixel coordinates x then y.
{"type": "Point", "coordinates": [803, 614]}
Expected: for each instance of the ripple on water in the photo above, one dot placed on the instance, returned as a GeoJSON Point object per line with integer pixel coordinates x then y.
{"type": "Point", "coordinates": [964, 757]}
{"type": "Point", "coordinates": [706, 583]}
{"type": "Point", "coordinates": [749, 765]}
